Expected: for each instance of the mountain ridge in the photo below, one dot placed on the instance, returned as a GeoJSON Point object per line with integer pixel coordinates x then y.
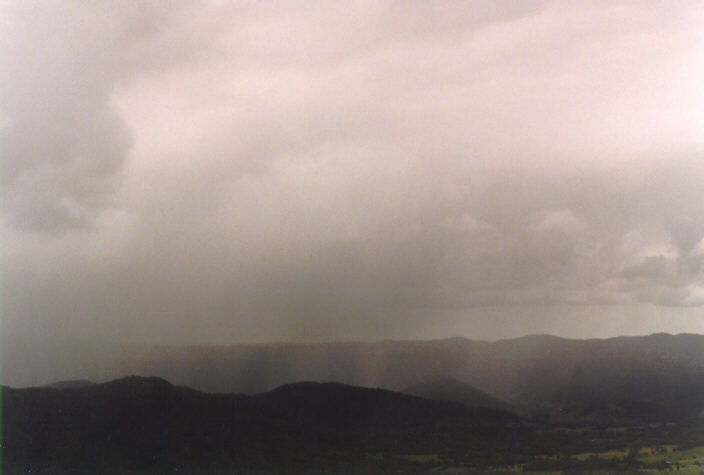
{"type": "Point", "coordinates": [542, 372]}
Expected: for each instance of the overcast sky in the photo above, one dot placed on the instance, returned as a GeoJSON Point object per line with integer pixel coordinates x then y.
{"type": "Point", "coordinates": [181, 172]}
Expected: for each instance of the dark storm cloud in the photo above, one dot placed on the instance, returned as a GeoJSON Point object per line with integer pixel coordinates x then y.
{"type": "Point", "coordinates": [257, 171]}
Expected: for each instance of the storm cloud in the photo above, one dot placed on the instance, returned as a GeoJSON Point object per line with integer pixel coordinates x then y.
{"type": "Point", "coordinates": [215, 172]}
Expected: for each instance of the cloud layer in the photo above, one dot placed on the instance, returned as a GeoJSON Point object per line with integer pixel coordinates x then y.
{"type": "Point", "coordinates": [197, 171]}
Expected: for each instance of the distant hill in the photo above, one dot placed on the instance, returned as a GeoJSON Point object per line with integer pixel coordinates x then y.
{"type": "Point", "coordinates": [572, 379]}
{"type": "Point", "coordinates": [449, 389]}
{"type": "Point", "coordinates": [148, 424]}
{"type": "Point", "coordinates": [71, 384]}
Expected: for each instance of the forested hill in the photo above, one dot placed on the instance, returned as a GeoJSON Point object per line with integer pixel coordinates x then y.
{"type": "Point", "coordinates": [535, 371]}
{"type": "Point", "coordinates": [147, 423]}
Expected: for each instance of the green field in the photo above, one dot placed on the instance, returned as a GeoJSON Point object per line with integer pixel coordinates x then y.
{"type": "Point", "coordinates": [685, 461]}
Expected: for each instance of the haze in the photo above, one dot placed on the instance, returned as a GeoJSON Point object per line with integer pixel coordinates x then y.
{"type": "Point", "coordinates": [182, 172]}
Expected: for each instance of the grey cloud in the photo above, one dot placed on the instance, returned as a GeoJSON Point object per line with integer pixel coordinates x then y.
{"type": "Point", "coordinates": [674, 281]}
{"type": "Point", "coordinates": [64, 145]}
{"type": "Point", "coordinates": [263, 171]}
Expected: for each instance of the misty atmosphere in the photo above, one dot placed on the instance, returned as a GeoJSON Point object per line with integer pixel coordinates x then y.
{"type": "Point", "coordinates": [362, 236]}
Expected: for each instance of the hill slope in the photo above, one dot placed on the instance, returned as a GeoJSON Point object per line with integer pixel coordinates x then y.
{"type": "Point", "coordinates": [557, 375]}
{"type": "Point", "coordinates": [147, 423]}
{"type": "Point", "coordinates": [449, 389]}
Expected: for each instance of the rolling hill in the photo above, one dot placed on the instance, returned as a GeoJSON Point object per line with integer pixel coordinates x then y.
{"type": "Point", "coordinates": [138, 423]}
{"type": "Point", "coordinates": [567, 378]}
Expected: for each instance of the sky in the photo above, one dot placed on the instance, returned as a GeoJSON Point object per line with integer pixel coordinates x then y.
{"type": "Point", "coordinates": [215, 172]}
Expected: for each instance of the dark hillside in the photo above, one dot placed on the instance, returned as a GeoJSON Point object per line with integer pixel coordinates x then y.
{"type": "Point", "coordinates": [147, 423]}
{"type": "Point", "coordinates": [448, 389]}
{"type": "Point", "coordinates": [578, 379]}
